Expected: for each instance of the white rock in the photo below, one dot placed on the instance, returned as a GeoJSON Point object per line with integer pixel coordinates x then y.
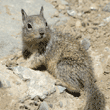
{"type": "Point", "coordinates": [94, 7]}
{"type": "Point", "coordinates": [44, 106]}
{"type": "Point", "coordinates": [86, 43]}
{"type": "Point", "coordinates": [4, 82]}
{"type": "Point", "coordinates": [107, 19]}
{"type": "Point", "coordinates": [71, 12]}
{"type": "Point", "coordinates": [61, 89]}
{"type": "Point", "coordinates": [39, 83]}
{"type": "Point", "coordinates": [64, 2]}
{"type": "Point", "coordinates": [107, 8]}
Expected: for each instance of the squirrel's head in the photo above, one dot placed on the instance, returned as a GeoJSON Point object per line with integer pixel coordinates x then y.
{"type": "Point", "coordinates": [35, 26]}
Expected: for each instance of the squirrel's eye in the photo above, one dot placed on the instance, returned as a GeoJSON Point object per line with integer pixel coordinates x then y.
{"type": "Point", "coordinates": [29, 26]}
{"type": "Point", "coordinates": [46, 24]}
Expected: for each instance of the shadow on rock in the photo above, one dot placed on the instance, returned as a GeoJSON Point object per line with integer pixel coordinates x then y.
{"type": "Point", "coordinates": [1, 85]}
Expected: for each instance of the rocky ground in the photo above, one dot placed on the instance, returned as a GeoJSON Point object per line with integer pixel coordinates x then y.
{"type": "Point", "coordinates": [88, 21]}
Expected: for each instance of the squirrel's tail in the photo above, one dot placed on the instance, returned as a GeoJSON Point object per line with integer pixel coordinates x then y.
{"type": "Point", "coordinates": [95, 99]}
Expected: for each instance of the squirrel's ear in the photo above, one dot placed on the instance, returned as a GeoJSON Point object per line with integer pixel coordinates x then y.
{"type": "Point", "coordinates": [41, 11]}
{"type": "Point", "coordinates": [24, 15]}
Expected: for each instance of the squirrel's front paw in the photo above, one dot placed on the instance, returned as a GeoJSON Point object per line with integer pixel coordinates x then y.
{"type": "Point", "coordinates": [60, 83]}
{"type": "Point", "coordinates": [28, 64]}
{"type": "Point", "coordinates": [10, 62]}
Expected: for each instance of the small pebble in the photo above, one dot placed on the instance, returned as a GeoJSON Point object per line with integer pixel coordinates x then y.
{"type": "Point", "coordinates": [86, 43]}
{"type": "Point", "coordinates": [22, 107]}
{"type": "Point", "coordinates": [56, 14]}
{"type": "Point", "coordinates": [107, 108]}
{"type": "Point", "coordinates": [80, 14]}
{"type": "Point", "coordinates": [71, 13]}
{"type": "Point", "coordinates": [94, 7]}
{"type": "Point", "coordinates": [61, 89]}
{"type": "Point", "coordinates": [84, 24]}
{"type": "Point", "coordinates": [61, 104]}
{"type": "Point", "coordinates": [107, 19]}
{"type": "Point", "coordinates": [107, 8]}
{"type": "Point", "coordinates": [36, 103]}
{"type": "Point", "coordinates": [80, 1]}
{"type": "Point", "coordinates": [44, 106]}
{"type": "Point", "coordinates": [83, 29]}
{"type": "Point", "coordinates": [86, 10]}
{"type": "Point", "coordinates": [62, 7]}
{"type": "Point", "coordinates": [18, 83]}
{"type": "Point", "coordinates": [55, 3]}
{"type": "Point", "coordinates": [78, 24]}
{"type": "Point", "coordinates": [107, 49]}
{"type": "Point", "coordinates": [64, 2]}
{"type": "Point", "coordinates": [90, 30]}
{"type": "Point", "coordinates": [96, 22]}
{"type": "Point", "coordinates": [50, 105]}
{"type": "Point", "coordinates": [25, 107]}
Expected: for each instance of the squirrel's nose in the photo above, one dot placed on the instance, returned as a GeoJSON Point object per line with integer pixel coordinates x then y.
{"type": "Point", "coordinates": [41, 33]}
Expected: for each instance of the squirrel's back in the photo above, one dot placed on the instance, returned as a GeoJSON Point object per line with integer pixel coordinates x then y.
{"type": "Point", "coordinates": [68, 61]}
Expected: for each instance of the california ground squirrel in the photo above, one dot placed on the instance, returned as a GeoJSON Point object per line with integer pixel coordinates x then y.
{"type": "Point", "coordinates": [63, 56]}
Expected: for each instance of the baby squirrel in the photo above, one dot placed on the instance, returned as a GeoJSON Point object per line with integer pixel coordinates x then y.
{"type": "Point", "coordinates": [63, 56]}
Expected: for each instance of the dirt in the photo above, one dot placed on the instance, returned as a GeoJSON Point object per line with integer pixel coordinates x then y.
{"type": "Point", "coordinates": [85, 26]}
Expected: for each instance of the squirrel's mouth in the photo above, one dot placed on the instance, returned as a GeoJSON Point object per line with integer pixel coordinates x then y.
{"type": "Point", "coordinates": [40, 37]}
